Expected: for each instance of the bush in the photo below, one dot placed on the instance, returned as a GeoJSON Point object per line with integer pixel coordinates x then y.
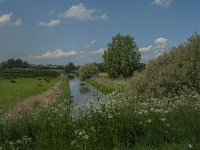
{"type": "Point", "coordinates": [12, 81]}
{"type": "Point", "coordinates": [87, 71]}
{"type": "Point", "coordinates": [174, 73]}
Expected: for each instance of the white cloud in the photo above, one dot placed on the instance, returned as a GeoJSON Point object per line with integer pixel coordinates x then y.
{"type": "Point", "coordinates": [145, 49]}
{"type": "Point", "coordinates": [54, 54]}
{"type": "Point", "coordinates": [6, 19]}
{"type": "Point", "coordinates": [155, 49]}
{"type": "Point", "coordinates": [18, 22]}
{"type": "Point", "coordinates": [160, 42]}
{"type": "Point", "coordinates": [158, 45]}
{"type": "Point", "coordinates": [103, 17]}
{"type": "Point", "coordinates": [163, 3]}
{"type": "Point", "coordinates": [90, 44]}
{"type": "Point", "coordinates": [159, 54]}
{"type": "Point", "coordinates": [98, 51]}
{"type": "Point", "coordinates": [51, 23]}
{"type": "Point", "coordinates": [82, 13]}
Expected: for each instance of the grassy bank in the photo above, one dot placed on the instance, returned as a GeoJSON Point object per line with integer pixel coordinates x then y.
{"type": "Point", "coordinates": [106, 85]}
{"type": "Point", "coordinates": [120, 122]}
{"type": "Point", "coordinates": [16, 90]}
{"type": "Point", "coordinates": [139, 123]}
{"type": "Point", "coordinates": [46, 129]}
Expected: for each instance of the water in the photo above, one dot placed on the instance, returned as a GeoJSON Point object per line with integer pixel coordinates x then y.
{"type": "Point", "coordinates": [82, 92]}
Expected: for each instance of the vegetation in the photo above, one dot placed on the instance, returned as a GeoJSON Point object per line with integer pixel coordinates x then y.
{"type": "Point", "coordinates": [47, 129]}
{"type": "Point", "coordinates": [174, 73]}
{"type": "Point", "coordinates": [122, 57]}
{"type": "Point", "coordinates": [27, 73]}
{"type": "Point", "coordinates": [88, 71]}
{"type": "Point", "coordinates": [14, 63]}
{"type": "Point", "coordinates": [157, 108]}
{"type": "Point", "coordinates": [14, 91]}
{"type": "Point", "coordinates": [107, 85]}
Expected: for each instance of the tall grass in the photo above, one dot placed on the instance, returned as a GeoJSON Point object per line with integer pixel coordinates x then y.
{"type": "Point", "coordinates": [120, 123]}
{"type": "Point", "coordinates": [47, 129]}
{"type": "Point", "coordinates": [106, 85]}
{"type": "Point", "coordinates": [117, 122]}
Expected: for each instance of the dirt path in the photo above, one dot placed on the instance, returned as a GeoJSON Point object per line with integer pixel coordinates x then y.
{"type": "Point", "coordinates": [39, 101]}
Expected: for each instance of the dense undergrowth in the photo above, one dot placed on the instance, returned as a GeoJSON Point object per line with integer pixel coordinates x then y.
{"type": "Point", "coordinates": [174, 73]}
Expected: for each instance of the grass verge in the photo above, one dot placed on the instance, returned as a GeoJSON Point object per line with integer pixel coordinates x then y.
{"type": "Point", "coordinates": [21, 88]}
{"type": "Point", "coordinates": [46, 129]}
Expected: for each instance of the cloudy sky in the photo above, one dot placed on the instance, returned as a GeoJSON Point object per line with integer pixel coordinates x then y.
{"type": "Point", "coordinates": [60, 31]}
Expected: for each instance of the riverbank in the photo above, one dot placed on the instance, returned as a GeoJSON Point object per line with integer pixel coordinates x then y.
{"type": "Point", "coordinates": [43, 129]}
{"type": "Point", "coordinates": [106, 85]}
{"type": "Point", "coordinates": [119, 122]}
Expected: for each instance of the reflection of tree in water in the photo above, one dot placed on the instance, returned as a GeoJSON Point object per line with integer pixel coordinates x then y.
{"type": "Point", "coordinates": [83, 88]}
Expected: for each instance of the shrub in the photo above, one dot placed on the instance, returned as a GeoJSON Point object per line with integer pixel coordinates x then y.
{"type": "Point", "coordinates": [174, 73]}
{"type": "Point", "coordinates": [12, 81]}
{"type": "Point", "coordinates": [87, 71]}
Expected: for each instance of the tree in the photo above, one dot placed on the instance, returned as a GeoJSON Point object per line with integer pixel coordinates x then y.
{"type": "Point", "coordinates": [87, 71]}
{"type": "Point", "coordinates": [122, 57]}
{"type": "Point", "coordinates": [70, 67]}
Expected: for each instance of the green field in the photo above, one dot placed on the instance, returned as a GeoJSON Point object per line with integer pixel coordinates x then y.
{"type": "Point", "coordinates": [12, 93]}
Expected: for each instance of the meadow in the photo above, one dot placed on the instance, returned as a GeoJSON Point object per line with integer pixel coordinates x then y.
{"type": "Point", "coordinates": [16, 90]}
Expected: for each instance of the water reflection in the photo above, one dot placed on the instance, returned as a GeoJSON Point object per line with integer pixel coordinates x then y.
{"type": "Point", "coordinates": [81, 92]}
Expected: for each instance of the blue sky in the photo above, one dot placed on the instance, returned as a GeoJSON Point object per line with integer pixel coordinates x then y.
{"type": "Point", "coordinates": [60, 31]}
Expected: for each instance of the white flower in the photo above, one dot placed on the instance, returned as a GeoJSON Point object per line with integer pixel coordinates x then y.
{"type": "Point", "coordinates": [86, 137]}
{"type": "Point", "coordinates": [168, 125]}
{"type": "Point", "coordinates": [190, 146]}
{"type": "Point", "coordinates": [163, 119]}
{"type": "Point", "coordinates": [149, 121]}
{"type": "Point", "coordinates": [110, 116]}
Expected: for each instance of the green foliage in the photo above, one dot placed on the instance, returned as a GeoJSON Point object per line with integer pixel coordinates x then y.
{"type": "Point", "coordinates": [28, 73]}
{"type": "Point", "coordinates": [174, 73]}
{"type": "Point", "coordinates": [87, 71]}
{"type": "Point", "coordinates": [70, 67]}
{"type": "Point", "coordinates": [14, 63]}
{"type": "Point", "coordinates": [106, 85]}
{"type": "Point", "coordinates": [122, 57]}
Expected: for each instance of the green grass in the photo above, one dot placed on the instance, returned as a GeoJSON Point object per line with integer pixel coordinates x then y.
{"type": "Point", "coordinates": [50, 128]}
{"type": "Point", "coordinates": [106, 85]}
{"type": "Point", "coordinates": [120, 122]}
{"type": "Point", "coordinates": [12, 93]}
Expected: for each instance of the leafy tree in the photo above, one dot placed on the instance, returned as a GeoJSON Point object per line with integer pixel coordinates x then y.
{"type": "Point", "coordinates": [122, 57]}
{"type": "Point", "coordinates": [70, 67]}
{"type": "Point", "coordinates": [87, 71]}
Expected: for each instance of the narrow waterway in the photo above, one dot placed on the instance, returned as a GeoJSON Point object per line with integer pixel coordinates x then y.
{"type": "Point", "coordinates": [81, 92]}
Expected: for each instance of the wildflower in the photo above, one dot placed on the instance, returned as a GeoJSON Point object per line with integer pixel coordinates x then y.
{"type": "Point", "coordinates": [163, 119]}
{"type": "Point", "coordinates": [168, 125]}
{"type": "Point", "coordinates": [149, 121]}
{"type": "Point", "coordinates": [73, 142]}
{"type": "Point", "coordinates": [110, 116]}
{"type": "Point", "coordinates": [86, 137]}
{"type": "Point", "coordinates": [190, 146]}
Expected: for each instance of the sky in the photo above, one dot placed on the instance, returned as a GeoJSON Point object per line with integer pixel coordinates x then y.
{"type": "Point", "coordinates": [78, 31]}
